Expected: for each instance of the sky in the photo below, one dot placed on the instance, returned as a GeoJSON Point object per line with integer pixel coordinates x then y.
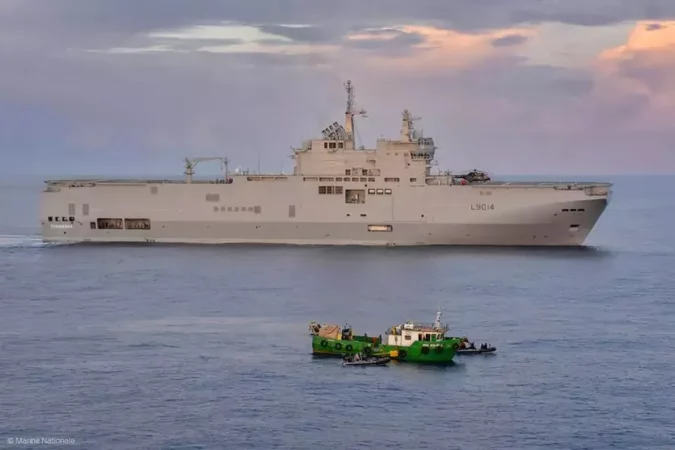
{"type": "Point", "coordinates": [506, 86]}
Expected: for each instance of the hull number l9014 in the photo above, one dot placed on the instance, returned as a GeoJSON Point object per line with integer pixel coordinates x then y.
{"type": "Point", "coordinates": [482, 207]}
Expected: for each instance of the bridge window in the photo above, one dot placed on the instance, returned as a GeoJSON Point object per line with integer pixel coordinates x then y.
{"type": "Point", "coordinates": [330, 190]}
{"type": "Point", "coordinates": [392, 180]}
{"type": "Point", "coordinates": [364, 172]}
{"type": "Point", "coordinates": [380, 191]}
{"type": "Point", "coordinates": [341, 145]}
{"type": "Point", "coordinates": [371, 191]}
{"type": "Point", "coordinates": [92, 225]}
{"type": "Point", "coordinates": [325, 145]}
{"type": "Point", "coordinates": [413, 180]}
{"type": "Point", "coordinates": [355, 196]}
{"type": "Point", "coordinates": [387, 191]}
{"type": "Point", "coordinates": [348, 172]}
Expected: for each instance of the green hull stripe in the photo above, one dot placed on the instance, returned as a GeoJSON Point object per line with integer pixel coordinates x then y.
{"type": "Point", "coordinates": [419, 351]}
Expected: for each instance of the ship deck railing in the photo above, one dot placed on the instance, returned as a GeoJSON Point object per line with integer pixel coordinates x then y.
{"type": "Point", "coordinates": [80, 182]}
{"type": "Point", "coordinates": [422, 326]}
{"type": "Point", "coordinates": [444, 180]}
{"type": "Point", "coordinates": [595, 188]}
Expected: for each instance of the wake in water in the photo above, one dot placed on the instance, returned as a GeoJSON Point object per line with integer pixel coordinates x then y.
{"type": "Point", "coordinates": [23, 241]}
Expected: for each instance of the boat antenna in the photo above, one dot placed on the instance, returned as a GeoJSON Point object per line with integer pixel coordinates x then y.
{"type": "Point", "coordinates": [437, 322]}
{"type": "Point", "coordinates": [351, 111]}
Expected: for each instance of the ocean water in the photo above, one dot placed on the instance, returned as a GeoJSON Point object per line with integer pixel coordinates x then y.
{"type": "Point", "coordinates": [197, 347]}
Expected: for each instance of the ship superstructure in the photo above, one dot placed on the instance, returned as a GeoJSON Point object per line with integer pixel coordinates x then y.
{"type": "Point", "coordinates": [338, 194]}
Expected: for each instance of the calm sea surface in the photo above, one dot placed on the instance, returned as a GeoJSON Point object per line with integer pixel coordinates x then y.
{"type": "Point", "coordinates": [189, 347]}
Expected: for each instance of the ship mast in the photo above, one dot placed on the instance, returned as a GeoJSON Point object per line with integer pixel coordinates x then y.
{"type": "Point", "coordinates": [351, 112]}
{"type": "Point", "coordinates": [408, 127]}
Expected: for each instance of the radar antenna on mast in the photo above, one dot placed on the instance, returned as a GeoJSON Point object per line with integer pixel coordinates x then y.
{"type": "Point", "coordinates": [408, 127]}
{"type": "Point", "coordinates": [350, 112]}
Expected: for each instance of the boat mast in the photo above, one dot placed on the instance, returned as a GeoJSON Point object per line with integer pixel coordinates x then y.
{"type": "Point", "coordinates": [437, 322]}
{"type": "Point", "coordinates": [351, 112]}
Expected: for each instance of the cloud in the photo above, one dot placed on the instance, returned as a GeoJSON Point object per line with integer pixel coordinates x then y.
{"type": "Point", "coordinates": [386, 42]}
{"type": "Point", "coordinates": [508, 83]}
{"type": "Point", "coordinates": [509, 40]}
{"type": "Point", "coordinates": [653, 27]}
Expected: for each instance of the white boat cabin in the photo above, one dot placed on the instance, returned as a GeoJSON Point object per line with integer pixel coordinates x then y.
{"type": "Point", "coordinates": [409, 332]}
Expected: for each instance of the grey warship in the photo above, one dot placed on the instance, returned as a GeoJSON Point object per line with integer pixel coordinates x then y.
{"type": "Point", "coordinates": [338, 194]}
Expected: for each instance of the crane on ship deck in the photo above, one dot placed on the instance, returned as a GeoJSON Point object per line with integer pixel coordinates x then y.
{"type": "Point", "coordinates": [190, 164]}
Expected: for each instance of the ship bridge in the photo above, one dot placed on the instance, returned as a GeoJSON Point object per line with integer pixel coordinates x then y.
{"type": "Point", "coordinates": [409, 157]}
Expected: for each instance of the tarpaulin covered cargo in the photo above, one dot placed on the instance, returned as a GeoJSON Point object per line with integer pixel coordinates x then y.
{"type": "Point", "coordinates": [330, 331]}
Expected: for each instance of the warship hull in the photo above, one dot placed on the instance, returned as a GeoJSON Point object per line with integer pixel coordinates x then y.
{"type": "Point", "coordinates": [289, 212]}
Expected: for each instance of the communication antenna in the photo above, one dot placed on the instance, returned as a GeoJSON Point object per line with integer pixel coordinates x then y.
{"type": "Point", "coordinates": [408, 132]}
{"type": "Point", "coordinates": [351, 111]}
